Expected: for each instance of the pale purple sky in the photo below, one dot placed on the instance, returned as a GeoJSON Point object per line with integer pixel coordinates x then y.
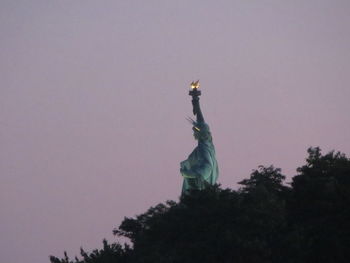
{"type": "Point", "coordinates": [94, 100]}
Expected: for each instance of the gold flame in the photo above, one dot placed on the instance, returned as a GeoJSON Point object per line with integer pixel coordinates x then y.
{"type": "Point", "coordinates": [195, 85]}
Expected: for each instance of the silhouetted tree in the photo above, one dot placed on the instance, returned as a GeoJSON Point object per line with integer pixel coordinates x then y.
{"type": "Point", "coordinates": [264, 221]}
{"type": "Point", "coordinates": [109, 253]}
{"type": "Point", "coordinates": [320, 208]}
{"type": "Point", "coordinates": [213, 225]}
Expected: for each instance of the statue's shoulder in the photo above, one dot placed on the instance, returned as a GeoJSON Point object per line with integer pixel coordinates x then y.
{"type": "Point", "coordinates": [194, 152]}
{"type": "Point", "coordinates": [207, 147]}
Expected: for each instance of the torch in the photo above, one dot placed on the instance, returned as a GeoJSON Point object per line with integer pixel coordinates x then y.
{"type": "Point", "coordinates": [195, 93]}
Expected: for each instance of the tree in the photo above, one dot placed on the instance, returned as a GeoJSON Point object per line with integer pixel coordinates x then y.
{"type": "Point", "coordinates": [319, 207]}
{"type": "Point", "coordinates": [264, 221]}
{"type": "Point", "coordinates": [109, 253]}
{"type": "Point", "coordinates": [213, 225]}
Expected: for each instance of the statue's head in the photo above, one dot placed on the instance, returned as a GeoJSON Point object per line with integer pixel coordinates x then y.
{"type": "Point", "coordinates": [201, 130]}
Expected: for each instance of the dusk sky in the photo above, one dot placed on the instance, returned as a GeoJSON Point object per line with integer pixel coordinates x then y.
{"type": "Point", "coordinates": [94, 100]}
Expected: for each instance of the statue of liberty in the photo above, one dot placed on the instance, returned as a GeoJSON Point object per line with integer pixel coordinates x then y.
{"type": "Point", "coordinates": [200, 169]}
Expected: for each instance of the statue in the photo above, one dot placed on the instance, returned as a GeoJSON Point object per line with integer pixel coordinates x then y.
{"type": "Point", "coordinates": [201, 168]}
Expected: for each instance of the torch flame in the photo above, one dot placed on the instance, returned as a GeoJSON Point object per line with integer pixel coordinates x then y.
{"type": "Point", "coordinates": [195, 85]}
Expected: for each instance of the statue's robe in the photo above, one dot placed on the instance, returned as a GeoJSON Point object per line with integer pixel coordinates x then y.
{"type": "Point", "coordinates": [201, 167]}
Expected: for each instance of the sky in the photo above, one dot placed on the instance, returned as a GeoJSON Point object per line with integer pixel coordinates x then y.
{"type": "Point", "coordinates": [94, 100]}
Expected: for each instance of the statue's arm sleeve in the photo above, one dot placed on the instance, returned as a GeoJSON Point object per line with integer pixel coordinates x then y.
{"type": "Point", "coordinates": [204, 167]}
{"type": "Point", "coordinates": [197, 109]}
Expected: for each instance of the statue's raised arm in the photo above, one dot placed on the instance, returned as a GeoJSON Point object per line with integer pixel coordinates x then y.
{"type": "Point", "coordinates": [200, 169]}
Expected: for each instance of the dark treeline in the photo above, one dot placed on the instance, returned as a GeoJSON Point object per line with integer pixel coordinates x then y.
{"type": "Point", "coordinates": [266, 220]}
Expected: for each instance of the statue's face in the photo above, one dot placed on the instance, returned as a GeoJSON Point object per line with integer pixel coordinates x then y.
{"type": "Point", "coordinates": [201, 132]}
{"type": "Point", "coordinates": [195, 132]}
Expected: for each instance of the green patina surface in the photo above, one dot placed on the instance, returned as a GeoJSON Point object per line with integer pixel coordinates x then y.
{"type": "Point", "coordinates": [200, 169]}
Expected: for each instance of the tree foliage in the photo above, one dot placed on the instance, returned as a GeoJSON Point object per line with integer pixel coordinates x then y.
{"type": "Point", "coordinates": [263, 221]}
{"type": "Point", "coordinates": [109, 253]}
